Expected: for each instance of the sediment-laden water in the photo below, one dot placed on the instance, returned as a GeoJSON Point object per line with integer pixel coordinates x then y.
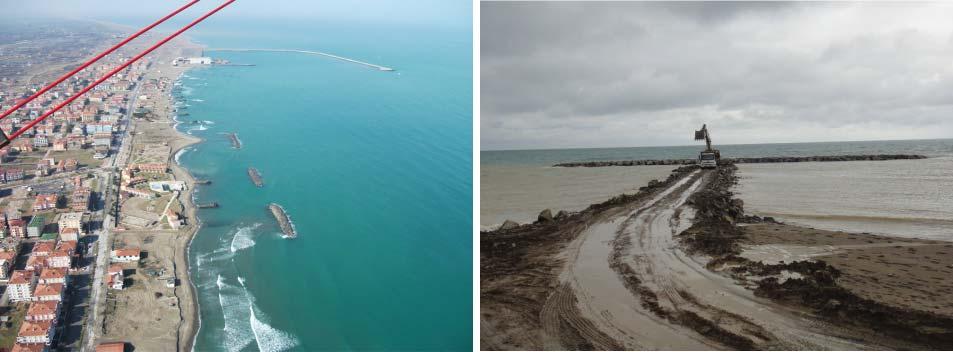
{"type": "Point", "coordinates": [911, 198]}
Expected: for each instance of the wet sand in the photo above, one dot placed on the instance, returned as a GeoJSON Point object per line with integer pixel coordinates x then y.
{"type": "Point", "coordinates": [902, 272]}
{"type": "Point", "coordinates": [654, 271]}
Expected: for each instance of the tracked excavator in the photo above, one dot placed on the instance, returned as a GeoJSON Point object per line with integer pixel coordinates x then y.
{"type": "Point", "coordinates": [708, 158]}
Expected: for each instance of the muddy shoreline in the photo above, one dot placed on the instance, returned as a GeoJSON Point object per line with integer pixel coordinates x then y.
{"type": "Point", "coordinates": [520, 270]}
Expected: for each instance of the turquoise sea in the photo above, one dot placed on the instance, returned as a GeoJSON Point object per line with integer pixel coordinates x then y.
{"type": "Point", "coordinates": [374, 168]}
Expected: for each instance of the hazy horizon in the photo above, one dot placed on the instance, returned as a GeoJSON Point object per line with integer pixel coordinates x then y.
{"type": "Point", "coordinates": [435, 12]}
{"type": "Point", "coordinates": [701, 144]}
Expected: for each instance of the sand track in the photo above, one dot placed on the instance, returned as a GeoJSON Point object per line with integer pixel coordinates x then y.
{"type": "Point", "coordinates": [634, 284]}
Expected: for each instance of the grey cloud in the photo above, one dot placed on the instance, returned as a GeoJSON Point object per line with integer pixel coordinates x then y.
{"type": "Point", "coordinates": [562, 70]}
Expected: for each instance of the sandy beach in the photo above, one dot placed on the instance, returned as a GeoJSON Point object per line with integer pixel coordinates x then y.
{"type": "Point", "coordinates": [135, 316]}
{"type": "Point", "coordinates": [679, 265]}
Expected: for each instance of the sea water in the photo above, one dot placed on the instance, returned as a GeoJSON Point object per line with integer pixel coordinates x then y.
{"type": "Point", "coordinates": [909, 198]}
{"type": "Point", "coordinates": [374, 168]}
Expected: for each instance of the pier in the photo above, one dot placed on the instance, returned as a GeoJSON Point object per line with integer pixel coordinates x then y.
{"type": "Point", "coordinates": [310, 52]}
{"type": "Point", "coordinates": [208, 205]}
{"type": "Point", "coordinates": [255, 177]}
{"type": "Point", "coordinates": [287, 227]}
{"type": "Point", "coordinates": [203, 182]}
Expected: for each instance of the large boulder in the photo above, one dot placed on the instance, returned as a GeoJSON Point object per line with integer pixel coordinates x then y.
{"type": "Point", "coordinates": [509, 224]}
{"type": "Point", "coordinates": [561, 214]}
{"type": "Point", "coordinates": [545, 216]}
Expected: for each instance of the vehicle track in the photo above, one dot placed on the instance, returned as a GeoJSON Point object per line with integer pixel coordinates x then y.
{"type": "Point", "coordinates": [634, 285]}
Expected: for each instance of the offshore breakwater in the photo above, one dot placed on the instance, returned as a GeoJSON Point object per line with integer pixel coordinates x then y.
{"type": "Point", "coordinates": [754, 160]}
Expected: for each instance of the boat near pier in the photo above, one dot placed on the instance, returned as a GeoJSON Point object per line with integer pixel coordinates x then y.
{"type": "Point", "coordinates": [255, 177]}
{"type": "Point", "coordinates": [287, 227]}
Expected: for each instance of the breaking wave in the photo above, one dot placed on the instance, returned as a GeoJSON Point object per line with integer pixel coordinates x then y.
{"type": "Point", "coordinates": [267, 337]}
{"type": "Point", "coordinates": [235, 337]}
{"type": "Point", "coordinates": [243, 238]}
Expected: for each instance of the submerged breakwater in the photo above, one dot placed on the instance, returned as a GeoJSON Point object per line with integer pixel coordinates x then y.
{"type": "Point", "coordinates": [754, 160]}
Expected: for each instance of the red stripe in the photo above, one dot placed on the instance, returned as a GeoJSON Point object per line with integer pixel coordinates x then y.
{"type": "Point", "coordinates": [93, 60]}
{"type": "Point", "coordinates": [116, 70]}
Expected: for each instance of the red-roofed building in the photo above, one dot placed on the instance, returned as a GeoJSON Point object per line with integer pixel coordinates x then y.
{"type": "Point", "coordinates": [68, 246]}
{"type": "Point", "coordinates": [53, 276]}
{"type": "Point", "coordinates": [59, 259]}
{"type": "Point", "coordinates": [111, 347]}
{"type": "Point", "coordinates": [125, 255]}
{"type": "Point", "coordinates": [45, 310]}
{"type": "Point", "coordinates": [30, 347]}
{"type": "Point", "coordinates": [48, 292]}
{"type": "Point", "coordinates": [21, 285]}
{"type": "Point", "coordinates": [43, 248]}
{"type": "Point", "coordinates": [45, 202]}
{"type": "Point", "coordinates": [115, 277]}
{"type": "Point", "coordinates": [17, 228]}
{"type": "Point", "coordinates": [36, 332]}
{"type": "Point", "coordinates": [157, 168]}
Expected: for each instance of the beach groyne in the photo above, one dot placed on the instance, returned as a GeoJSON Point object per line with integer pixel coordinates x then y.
{"type": "Point", "coordinates": [287, 227]}
{"type": "Point", "coordinates": [755, 160]}
{"type": "Point", "coordinates": [255, 177]}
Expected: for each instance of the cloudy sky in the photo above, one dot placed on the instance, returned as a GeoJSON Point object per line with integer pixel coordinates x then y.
{"type": "Point", "coordinates": [566, 75]}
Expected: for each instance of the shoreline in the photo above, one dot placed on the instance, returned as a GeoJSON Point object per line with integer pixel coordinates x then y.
{"type": "Point", "coordinates": [535, 295]}
{"type": "Point", "coordinates": [190, 321]}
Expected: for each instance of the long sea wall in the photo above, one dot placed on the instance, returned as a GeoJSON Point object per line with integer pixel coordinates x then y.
{"type": "Point", "coordinates": [767, 159]}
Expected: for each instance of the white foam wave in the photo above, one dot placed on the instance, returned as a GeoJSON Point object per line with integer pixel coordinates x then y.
{"type": "Point", "coordinates": [178, 155]}
{"type": "Point", "coordinates": [207, 122]}
{"type": "Point", "coordinates": [198, 100]}
{"type": "Point", "coordinates": [235, 338]}
{"type": "Point", "coordinates": [243, 238]}
{"type": "Point", "coordinates": [267, 337]}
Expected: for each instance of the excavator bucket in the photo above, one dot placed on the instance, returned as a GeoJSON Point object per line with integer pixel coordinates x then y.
{"type": "Point", "coordinates": [699, 135]}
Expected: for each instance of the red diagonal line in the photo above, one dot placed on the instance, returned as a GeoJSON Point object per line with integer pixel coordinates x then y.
{"type": "Point", "coordinates": [116, 70]}
{"type": "Point", "coordinates": [19, 105]}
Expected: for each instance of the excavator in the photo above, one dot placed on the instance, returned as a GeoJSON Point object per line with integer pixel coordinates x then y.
{"type": "Point", "coordinates": [708, 158]}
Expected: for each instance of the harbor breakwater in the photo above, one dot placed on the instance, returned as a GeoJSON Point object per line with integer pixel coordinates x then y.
{"type": "Point", "coordinates": [755, 160]}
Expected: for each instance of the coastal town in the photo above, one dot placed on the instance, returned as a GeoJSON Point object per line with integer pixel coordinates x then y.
{"type": "Point", "coordinates": [95, 217]}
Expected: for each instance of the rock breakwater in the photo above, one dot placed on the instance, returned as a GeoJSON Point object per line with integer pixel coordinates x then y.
{"type": "Point", "coordinates": [756, 160]}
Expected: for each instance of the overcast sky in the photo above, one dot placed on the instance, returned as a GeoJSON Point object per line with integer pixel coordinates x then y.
{"type": "Point", "coordinates": [564, 75]}
{"type": "Point", "coordinates": [444, 12]}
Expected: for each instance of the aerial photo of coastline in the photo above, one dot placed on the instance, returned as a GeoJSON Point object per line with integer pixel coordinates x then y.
{"type": "Point", "coordinates": [264, 178]}
{"type": "Point", "coordinates": [709, 176]}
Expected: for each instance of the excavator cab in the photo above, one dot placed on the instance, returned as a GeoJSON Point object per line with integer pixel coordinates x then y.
{"type": "Point", "coordinates": [708, 158]}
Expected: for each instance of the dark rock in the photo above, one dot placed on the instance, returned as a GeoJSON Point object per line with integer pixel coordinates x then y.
{"type": "Point", "coordinates": [509, 224]}
{"type": "Point", "coordinates": [545, 216]}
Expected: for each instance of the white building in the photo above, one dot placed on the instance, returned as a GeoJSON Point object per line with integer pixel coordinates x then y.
{"type": "Point", "coordinates": [48, 292]}
{"type": "Point", "coordinates": [43, 311]}
{"type": "Point", "coordinates": [116, 277]}
{"type": "Point", "coordinates": [125, 255]}
{"type": "Point", "coordinates": [53, 276]}
{"type": "Point", "coordinates": [72, 220]}
{"type": "Point", "coordinates": [205, 60]}
{"type": "Point", "coordinates": [21, 285]}
{"type": "Point", "coordinates": [36, 332]}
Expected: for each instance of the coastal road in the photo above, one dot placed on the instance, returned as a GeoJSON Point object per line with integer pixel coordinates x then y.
{"type": "Point", "coordinates": [635, 288]}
